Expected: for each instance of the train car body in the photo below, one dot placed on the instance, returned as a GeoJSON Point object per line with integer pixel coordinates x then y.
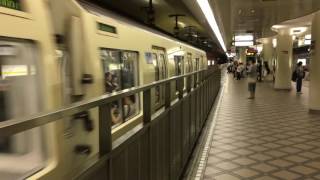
{"type": "Point", "coordinates": [96, 52]}
{"type": "Point", "coordinates": [29, 83]}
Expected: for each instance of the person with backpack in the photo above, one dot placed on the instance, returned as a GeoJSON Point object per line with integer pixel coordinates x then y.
{"type": "Point", "coordinates": [298, 76]}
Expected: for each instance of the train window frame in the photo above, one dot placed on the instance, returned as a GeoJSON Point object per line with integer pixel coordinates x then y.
{"type": "Point", "coordinates": [38, 148]}
{"type": "Point", "coordinates": [120, 102]}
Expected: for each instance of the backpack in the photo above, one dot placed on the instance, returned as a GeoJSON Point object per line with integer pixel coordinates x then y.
{"type": "Point", "coordinates": [294, 76]}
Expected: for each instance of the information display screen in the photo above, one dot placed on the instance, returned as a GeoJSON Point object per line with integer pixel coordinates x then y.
{"type": "Point", "coordinates": [106, 28]}
{"type": "Point", "coordinates": [11, 4]}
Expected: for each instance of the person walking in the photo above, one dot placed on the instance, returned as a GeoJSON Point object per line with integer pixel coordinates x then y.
{"type": "Point", "coordinates": [252, 79]}
{"type": "Point", "coordinates": [240, 69]}
{"type": "Point", "coordinates": [300, 75]}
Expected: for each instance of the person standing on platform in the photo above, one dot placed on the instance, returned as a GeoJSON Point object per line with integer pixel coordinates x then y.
{"type": "Point", "coordinates": [300, 75]}
{"type": "Point", "coordinates": [252, 79]}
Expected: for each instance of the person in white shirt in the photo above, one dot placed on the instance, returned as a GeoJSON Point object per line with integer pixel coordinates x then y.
{"type": "Point", "coordinates": [240, 69]}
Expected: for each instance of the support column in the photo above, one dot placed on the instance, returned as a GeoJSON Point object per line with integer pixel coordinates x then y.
{"type": "Point", "coordinates": [314, 86]}
{"type": "Point", "coordinates": [243, 56]}
{"type": "Point", "coordinates": [268, 51]}
{"type": "Point", "coordinates": [284, 60]}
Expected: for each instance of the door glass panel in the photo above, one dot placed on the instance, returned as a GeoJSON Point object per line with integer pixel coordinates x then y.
{"type": "Point", "coordinates": [112, 70]}
{"type": "Point", "coordinates": [178, 62]}
{"type": "Point", "coordinates": [129, 76]}
{"type": "Point", "coordinates": [156, 65]}
{"type": "Point", "coordinates": [197, 68]}
{"type": "Point", "coordinates": [112, 82]}
{"type": "Point", "coordinates": [20, 96]}
{"type": "Point", "coordinates": [188, 68]}
{"type": "Point", "coordinates": [163, 66]}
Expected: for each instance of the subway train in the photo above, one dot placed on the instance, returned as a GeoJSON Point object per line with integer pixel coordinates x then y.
{"type": "Point", "coordinates": [55, 53]}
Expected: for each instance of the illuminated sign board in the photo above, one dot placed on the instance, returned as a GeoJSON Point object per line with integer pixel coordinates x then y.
{"type": "Point", "coordinates": [304, 61]}
{"type": "Point", "coordinates": [106, 28]}
{"type": "Point", "coordinates": [243, 38]}
{"type": "Point", "coordinates": [11, 4]}
{"type": "Point", "coordinates": [243, 43]}
{"type": "Point", "coordinates": [14, 70]}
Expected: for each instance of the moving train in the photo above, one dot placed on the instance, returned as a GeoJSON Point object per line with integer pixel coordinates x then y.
{"type": "Point", "coordinates": [54, 53]}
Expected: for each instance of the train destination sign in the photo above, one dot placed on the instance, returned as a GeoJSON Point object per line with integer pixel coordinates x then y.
{"type": "Point", "coordinates": [11, 4]}
{"type": "Point", "coordinates": [106, 28]}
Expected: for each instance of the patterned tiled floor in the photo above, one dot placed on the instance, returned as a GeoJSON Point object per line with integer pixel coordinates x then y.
{"type": "Point", "coordinates": [271, 137]}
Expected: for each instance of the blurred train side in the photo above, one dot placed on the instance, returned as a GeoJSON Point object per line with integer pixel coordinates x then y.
{"type": "Point", "coordinates": [82, 41]}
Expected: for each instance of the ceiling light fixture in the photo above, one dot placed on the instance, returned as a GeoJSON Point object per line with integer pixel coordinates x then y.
{"type": "Point", "coordinates": [207, 11]}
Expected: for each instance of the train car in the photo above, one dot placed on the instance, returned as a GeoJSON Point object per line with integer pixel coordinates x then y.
{"type": "Point", "coordinates": [29, 83]}
{"type": "Point", "coordinates": [95, 52]}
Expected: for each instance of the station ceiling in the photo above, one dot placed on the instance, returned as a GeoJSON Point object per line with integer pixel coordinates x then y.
{"type": "Point", "coordinates": [233, 16]}
{"type": "Point", "coordinates": [189, 27]}
{"type": "Point", "coordinates": [259, 16]}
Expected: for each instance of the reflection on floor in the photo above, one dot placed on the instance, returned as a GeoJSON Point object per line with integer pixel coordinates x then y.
{"type": "Point", "coordinates": [271, 137]}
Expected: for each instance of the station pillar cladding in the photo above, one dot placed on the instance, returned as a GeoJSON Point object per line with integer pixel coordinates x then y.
{"type": "Point", "coordinates": [268, 50]}
{"type": "Point", "coordinates": [314, 88]}
{"type": "Point", "coordinates": [243, 56]}
{"type": "Point", "coordinates": [284, 60]}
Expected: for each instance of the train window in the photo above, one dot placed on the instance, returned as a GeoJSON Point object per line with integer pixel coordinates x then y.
{"type": "Point", "coordinates": [197, 68]}
{"type": "Point", "coordinates": [112, 70]}
{"type": "Point", "coordinates": [156, 66]}
{"type": "Point", "coordinates": [157, 76]}
{"type": "Point", "coordinates": [120, 72]}
{"type": "Point", "coordinates": [178, 61]}
{"type": "Point", "coordinates": [23, 153]}
{"type": "Point", "coordinates": [179, 67]}
{"type": "Point", "coordinates": [189, 63]}
{"type": "Point", "coordinates": [188, 68]}
{"type": "Point", "coordinates": [163, 66]}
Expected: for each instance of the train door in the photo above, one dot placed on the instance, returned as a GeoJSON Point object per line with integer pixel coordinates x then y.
{"type": "Point", "coordinates": [160, 65]}
{"type": "Point", "coordinates": [20, 95]}
{"type": "Point", "coordinates": [120, 72]}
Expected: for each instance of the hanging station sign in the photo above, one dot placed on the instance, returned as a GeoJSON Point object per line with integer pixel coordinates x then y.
{"type": "Point", "coordinates": [11, 4]}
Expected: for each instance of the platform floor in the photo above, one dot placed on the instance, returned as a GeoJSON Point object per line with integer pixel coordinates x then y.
{"type": "Point", "coordinates": [271, 137]}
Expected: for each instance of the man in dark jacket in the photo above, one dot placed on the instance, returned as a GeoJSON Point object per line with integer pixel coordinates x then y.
{"type": "Point", "coordinates": [300, 75]}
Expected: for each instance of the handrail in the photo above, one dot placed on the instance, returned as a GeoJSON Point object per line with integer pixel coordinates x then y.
{"type": "Point", "coordinates": [14, 126]}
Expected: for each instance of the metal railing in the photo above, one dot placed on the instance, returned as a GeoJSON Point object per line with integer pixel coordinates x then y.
{"type": "Point", "coordinates": [13, 126]}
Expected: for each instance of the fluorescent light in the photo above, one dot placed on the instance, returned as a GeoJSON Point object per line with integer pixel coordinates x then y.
{"type": "Point", "coordinates": [308, 36]}
{"type": "Point", "coordinates": [244, 38]}
{"type": "Point", "coordinates": [274, 42]}
{"type": "Point", "coordinates": [207, 11]}
{"type": "Point", "coordinates": [243, 43]}
{"type": "Point", "coordinates": [304, 61]}
{"type": "Point", "coordinates": [307, 42]}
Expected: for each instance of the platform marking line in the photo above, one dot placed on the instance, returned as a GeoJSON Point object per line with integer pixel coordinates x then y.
{"type": "Point", "coordinates": [205, 153]}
